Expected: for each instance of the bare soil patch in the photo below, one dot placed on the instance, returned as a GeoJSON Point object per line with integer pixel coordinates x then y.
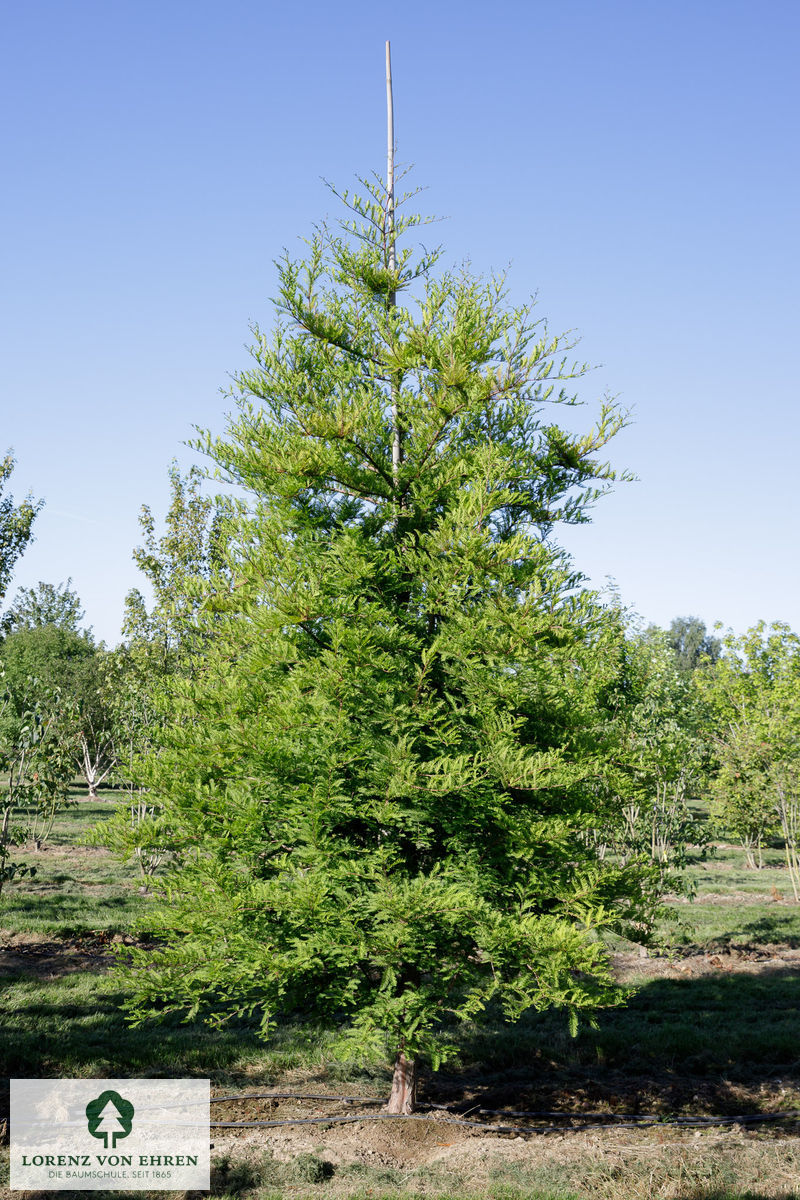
{"type": "Point", "coordinates": [45, 957]}
{"type": "Point", "coordinates": [42, 955]}
{"type": "Point", "coordinates": [637, 967]}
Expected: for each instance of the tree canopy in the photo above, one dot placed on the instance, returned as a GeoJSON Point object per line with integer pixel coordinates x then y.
{"type": "Point", "coordinates": [691, 643]}
{"type": "Point", "coordinates": [382, 769]}
{"type": "Point", "coordinates": [45, 604]}
{"type": "Point", "coordinates": [16, 522]}
{"type": "Point", "coordinates": [753, 696]}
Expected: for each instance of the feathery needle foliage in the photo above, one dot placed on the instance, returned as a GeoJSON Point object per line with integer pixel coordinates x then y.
{"type": "Point", "coordinates": [399, 721]}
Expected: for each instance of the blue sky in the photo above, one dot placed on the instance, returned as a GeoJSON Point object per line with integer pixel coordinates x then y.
{"type": "Point", "coordinates": [636, 164]}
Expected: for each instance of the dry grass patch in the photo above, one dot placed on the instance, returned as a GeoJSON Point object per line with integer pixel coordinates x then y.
{"type": "Point", "coordinates": [406, 1159]}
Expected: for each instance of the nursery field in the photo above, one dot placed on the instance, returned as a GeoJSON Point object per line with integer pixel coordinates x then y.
{"type": "Point", "coordinates": [711, 1031]}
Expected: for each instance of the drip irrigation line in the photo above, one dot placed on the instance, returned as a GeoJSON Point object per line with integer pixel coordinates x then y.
{"type": "Point", "coordinates": [508, 1112]}
{"type": "Point", "coordinates": [679, 1122]}
{"type": "Point", "coordinates": [498, 1112]}
{"type": "Point", "coordinates": [297, 1096]}
{"type": "Point", "coordinates": [613, 1120]}
{"type": "Point", "coordinates": [332, 1120]}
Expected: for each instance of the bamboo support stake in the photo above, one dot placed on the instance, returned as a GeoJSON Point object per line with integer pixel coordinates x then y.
{"type": "Point", "coordinates": [397, 445]}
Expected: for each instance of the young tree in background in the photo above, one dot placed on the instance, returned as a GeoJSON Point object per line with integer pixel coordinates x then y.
{"type": "Point", "coordinates": [36, 767]}
{"type": "Point", "coordinates": [47, 652]}
{"type": "Point", "coordinates": [16, 523]}
{"type": "Point", "coordinates": [136, 830]}
{"type": "Point", "coordinates": [158, 645]}
{"type": "Point", "coordinates": [692, 644]}
{"type": "Point", "coordinates": [174, 564]}
{"type": "Point", "coordinates": [42, 668]}
{"type": "Point", "coordinates": [380, 770]}
{"type": "Point", "coordinates": [45, 604]}
{"type": "Point", "coordinates": [663, 744]}
{"type": "Point", "coordinates": [754, 695]}
{"type": "Point", "coordinates": [50, 655]}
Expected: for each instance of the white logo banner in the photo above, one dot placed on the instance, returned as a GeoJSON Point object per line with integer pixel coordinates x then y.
{"type": "Point", "coordinates": [110, 1134]}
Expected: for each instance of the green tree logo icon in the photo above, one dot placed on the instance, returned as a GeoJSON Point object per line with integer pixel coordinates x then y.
{"type": "Point", "coordinates": [109, 1116]}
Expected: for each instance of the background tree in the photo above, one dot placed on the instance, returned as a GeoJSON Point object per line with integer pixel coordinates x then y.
{"type": "Point", "coordinates": [754, 695]}
{"type": "Point", "coordinates": [173, 564]}
{"type": "Point", "coordinates": [36, 764]}
{"type": "Point", "coordinates": [53, 656]}
{"type": "Point", "coordinates": [37, 742]}
{"type": "Point", "coordinates": [378, 791]}
{"type": "Point", "coordinates": [691, 643]}
{"type": "Point", "coordinates": [91, 709]}
{"type": "Point", "coordinates": [16, 523]}
{"type": "Point", "coordinates": [158, 644]}
{"type": "Point", "coordinates": [663, 745]}
{"type": "Point", "coordinates": [137, 829]}
{"type": "Point", "coordinates": [47, 653]}
{"type": "Point", "coordinates": [45, 604]}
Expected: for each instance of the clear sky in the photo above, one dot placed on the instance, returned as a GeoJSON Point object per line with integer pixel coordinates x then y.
{"type": "Point", "coordinates": [635, 162]}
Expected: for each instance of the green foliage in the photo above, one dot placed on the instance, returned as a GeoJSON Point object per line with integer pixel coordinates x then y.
{"type": "Point", "coordinates": [55, 657]}
{"type": "Point", "coordinates": [16, 523]}
{"type": "Point", "coordinates": [380, 769]}
{"type": "Point", "coordinates": [173, 564]}
{"type": "Point", "coordinates": [36, 765]}
{"type": "Point", "coordinates": [47, 669]}
{"type": "Point", "coordinates": [754, 695]}
{"type": "Point", "coordinates": [663, 748]}
{"type": "Point", "coordinates": [158, 645]}
{"type": "Point", "coordinates": [46, 604]}
{"type": "Point", "coordinates": [691, 644]}
{"type": "Point", "coordinates": [136, 831]}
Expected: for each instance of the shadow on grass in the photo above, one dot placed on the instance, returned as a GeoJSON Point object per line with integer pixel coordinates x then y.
{"type": "Point", "coordinates": [728, 1194]}
{"type": "Point", "coordinates": [707, 1044]}
{"type": "Point", "coordinates": [59, 905]}
{"type": "Point", "coordinates": [716, 1045]}
{"type": "Point", "coordinates": [65, 913]}
{"type": "Point", "coordinates": [74, 1027]}
{"type": "Point", "coordinates": [706, 927]}
{"type": "Point", "coordinates": [55, 1033]}
{"type": "Point", "coordinates": [778, 928]}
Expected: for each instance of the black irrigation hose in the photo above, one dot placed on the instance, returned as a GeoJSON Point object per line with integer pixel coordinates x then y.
{"type": "Point", "coordinates": [297, 1096]}
{"type": "Point", "coordinates": [509, 1112]}
{"type": "Point", "coordinates": [498, 1112]}
{"type": "Point", "coordinates": [398, 1117]}
{"type": "Point", "coordinates": [635, 1123]}
{"type": "Point", "coordinates": [520, 1130]}
{"type": "Point", "coordinates": [630, 1119]}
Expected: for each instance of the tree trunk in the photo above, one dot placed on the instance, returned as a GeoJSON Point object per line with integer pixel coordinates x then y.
{"type": "Point", "coordinates": [403, 1098]}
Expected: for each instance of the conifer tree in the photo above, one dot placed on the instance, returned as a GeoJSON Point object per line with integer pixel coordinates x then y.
{"type": "Point", "coordinates": [381, 771]}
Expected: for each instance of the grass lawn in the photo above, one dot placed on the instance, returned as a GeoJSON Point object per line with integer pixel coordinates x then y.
{"type": "Point", "coordinates": [77, 889]}
{"type": "Point", "coordinates": [736, 906]}
{"type": "Point", "coordinates": [712, 1041]}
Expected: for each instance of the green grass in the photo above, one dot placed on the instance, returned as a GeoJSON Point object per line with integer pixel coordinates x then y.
{"type": "Point", "coordinates": [712, 1044]}
{"type": "Point", "coordinates": [76, 889]}
{"type": "Point", "coordinates": [74, 1027]}
{"type": "Point", "coordinates": [709, 925]}
{"type": "Point", "coordinates": [671, 1038]}
{"type": "Point", "coordinates": [81, 815]}
{"type": "Point", "coordinates": [700, 1026]}
{"type": "Point", "coordinates": [733, 905]}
